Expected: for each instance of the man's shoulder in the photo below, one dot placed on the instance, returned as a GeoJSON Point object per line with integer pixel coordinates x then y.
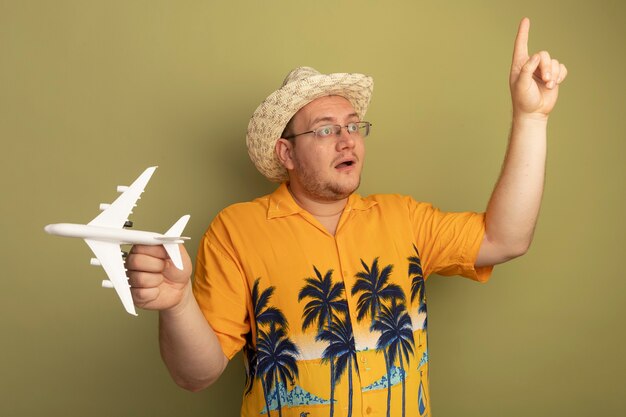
{"type": "Point", "coordinates": [395, 203]}
{"type": "Point", "coordinates": [240, 217]}
{"type": "Point", "coordinates": [391, 199]}
{"type": "Point", "coordinates": [258, 205]}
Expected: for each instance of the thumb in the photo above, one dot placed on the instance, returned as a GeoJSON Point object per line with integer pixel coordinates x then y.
{"type": "Point", "coordinates": [525, 78]}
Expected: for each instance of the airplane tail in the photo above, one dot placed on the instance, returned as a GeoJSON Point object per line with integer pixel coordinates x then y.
{"type": "Point", "coordinates": [172, 238]}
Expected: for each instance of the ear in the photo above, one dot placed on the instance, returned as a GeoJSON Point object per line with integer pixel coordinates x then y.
{"type": "Point", "coordinates": [284, 153]}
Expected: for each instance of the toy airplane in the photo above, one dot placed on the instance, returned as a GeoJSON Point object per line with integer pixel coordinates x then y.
{"type": "Point", "coordinates": [106, 233]}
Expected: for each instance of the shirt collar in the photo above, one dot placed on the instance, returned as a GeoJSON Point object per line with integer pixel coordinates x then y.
{"type": "Point", "coordinates": [282, 204]}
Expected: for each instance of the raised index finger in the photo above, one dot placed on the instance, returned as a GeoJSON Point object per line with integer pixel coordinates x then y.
{"type": "Point", "coordinates": [520, 50]}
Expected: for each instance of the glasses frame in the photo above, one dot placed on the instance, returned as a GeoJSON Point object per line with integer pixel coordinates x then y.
{"type": "Point", "coordinates": [360, 125]}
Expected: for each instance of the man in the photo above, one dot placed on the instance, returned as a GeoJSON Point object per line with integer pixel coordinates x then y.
{"type": "Point", "coordinates": [324, 289]}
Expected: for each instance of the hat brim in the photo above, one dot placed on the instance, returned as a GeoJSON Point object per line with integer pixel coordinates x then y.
{"type": "Point", "coordinates": [270, 118]}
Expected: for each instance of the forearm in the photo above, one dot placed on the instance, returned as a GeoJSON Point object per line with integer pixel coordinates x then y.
{"type": "Point", "coordinates": [189, 347]}
{"type": "Point", "coordinates": [514, 204]}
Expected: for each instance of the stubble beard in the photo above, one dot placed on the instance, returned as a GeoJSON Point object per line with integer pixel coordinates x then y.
{"type": "Point", "coordinates": [324, 190]}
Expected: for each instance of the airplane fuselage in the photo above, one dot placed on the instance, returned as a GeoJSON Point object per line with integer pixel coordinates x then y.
{"type": "Point", "coordinates": [108, 234]}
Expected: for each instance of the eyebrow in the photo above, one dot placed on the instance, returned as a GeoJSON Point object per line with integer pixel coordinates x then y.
{"type": "Point", "coordinates": [331, 119]}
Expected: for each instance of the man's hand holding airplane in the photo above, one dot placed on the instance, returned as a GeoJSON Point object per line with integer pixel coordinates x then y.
{"type": "Point", "coordinates": [156, 284]}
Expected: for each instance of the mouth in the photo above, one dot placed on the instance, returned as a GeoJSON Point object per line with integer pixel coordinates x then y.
{"type": "Point", "coordinates": [345, 163]}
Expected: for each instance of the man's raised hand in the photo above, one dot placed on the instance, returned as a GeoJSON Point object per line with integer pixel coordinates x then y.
{"type": "Point", "coordinates": [534, 80]}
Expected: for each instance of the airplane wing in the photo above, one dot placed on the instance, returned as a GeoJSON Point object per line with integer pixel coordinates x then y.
{"type": "Point", "coordinates": [110, 257]}
{"type": "Point", "coordinates": [118, 212]}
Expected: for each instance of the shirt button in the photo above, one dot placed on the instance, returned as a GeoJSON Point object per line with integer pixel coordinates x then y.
{"type": "Point", "coordinates": [363, 359]}
{"type": "Point", "coordinates": [368, 410]}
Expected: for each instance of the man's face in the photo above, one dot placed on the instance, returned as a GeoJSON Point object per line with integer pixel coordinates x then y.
{"type": "Point", "coordinates": [325, 169]}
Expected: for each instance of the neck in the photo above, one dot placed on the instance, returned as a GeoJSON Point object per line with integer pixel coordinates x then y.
{"type": "Point", "coordinates": [326, 212]}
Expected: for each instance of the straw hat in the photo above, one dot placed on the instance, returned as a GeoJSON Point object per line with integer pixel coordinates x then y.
{"type": "Point", "coordinates": [301, 86]}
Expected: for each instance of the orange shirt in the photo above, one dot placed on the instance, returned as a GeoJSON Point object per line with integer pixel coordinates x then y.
{"type": "Point", "coordinates": [331, 325]}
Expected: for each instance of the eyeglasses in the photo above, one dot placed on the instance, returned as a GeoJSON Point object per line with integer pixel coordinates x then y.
{"type": "Point", "coordinates": [359, 128]}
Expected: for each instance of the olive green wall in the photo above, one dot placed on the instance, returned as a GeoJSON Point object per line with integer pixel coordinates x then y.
{"type": "Point", "coordinates": [91, 93]}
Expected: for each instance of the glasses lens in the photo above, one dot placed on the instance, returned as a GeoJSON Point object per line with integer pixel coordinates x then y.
{"type": "Point", "coordinates": [364, 128]}
{"type": "Point", "coordinates": [325, 131]}
{"type": "Point", "coordinates": [360, 128]}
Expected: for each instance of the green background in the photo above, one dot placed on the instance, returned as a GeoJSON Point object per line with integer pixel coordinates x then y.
{"type": "Point", "coordinates": [92, 93]}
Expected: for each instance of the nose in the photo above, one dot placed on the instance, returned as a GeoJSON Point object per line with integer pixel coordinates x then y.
{"type": "Point", "coordinates": [345, 139]}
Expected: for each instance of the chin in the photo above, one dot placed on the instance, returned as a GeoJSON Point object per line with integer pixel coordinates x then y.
{"type": "Point", "coordinates": [341, 191]}
{"type": "Point", "coordinates": [328, 189]}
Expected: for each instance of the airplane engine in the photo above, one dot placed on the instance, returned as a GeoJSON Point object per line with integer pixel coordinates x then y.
{"type": "Point", "coordinates": [107, 284]}
{"type": "Point", "coordinates": [122, 188]}
{"type": "Point", "coordinates": [94, 262]}
{"type": "Point", "coordinates": [104, 206]}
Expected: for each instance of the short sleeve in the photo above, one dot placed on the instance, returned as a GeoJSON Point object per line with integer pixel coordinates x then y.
{"type": "Point", "coordinates": [449, 242]}
{"type": "Point", "coordinates": [221, 291]}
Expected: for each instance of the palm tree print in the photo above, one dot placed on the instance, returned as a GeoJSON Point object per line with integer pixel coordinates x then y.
{"type": "Point", "coordinates": [418, 290]}
{"type": "Point", "coordinates": [341, 349]}
{"type": "Point", "coordinates": [415, 271]}
{"type": "Point", "coordinates": [263, 315]}
{"type": "Point", "coordinates": [276, 362]}
{"type": "Point", "coordinates": [326, 300]}
{"type": "Point", "coordinates": [375, 290]}
{"type": "Point", "coordinates": [396, 338]}
{"type": "Point", "coordinates": [418, 286]}
{"type": "Point", "coordinates": [250, 356]}
{"type": "Point", "coordinates": [421, 405]}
